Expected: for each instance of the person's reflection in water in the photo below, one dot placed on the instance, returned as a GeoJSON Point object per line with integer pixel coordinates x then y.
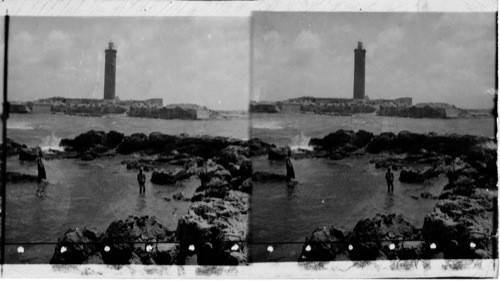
{"type": "Point", "coordinates": [141, 202]}
{"type": "Point", "coordinates": [290, 192]}
{"type": "Point", "coordinates": [389, 202]}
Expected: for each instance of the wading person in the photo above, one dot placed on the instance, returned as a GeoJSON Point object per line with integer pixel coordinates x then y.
{"type": "Point", "coordinates": [389, 177]}
{"type": "Point", "coordinates": [290, 173]}
{"type": "Point", "coordinates": [41, 174]}
{"type": "Point", "coordinates": [141, 178]}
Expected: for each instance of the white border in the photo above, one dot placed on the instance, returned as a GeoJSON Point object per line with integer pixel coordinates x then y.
{"type": "Point", "coordinates": [376, 269]}
{"type": "Point", "coordinates": [333, 270]}
{"type": "Point", "coordinates": [158, 8]}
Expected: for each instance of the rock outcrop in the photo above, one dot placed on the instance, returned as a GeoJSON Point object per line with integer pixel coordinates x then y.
{"type": "Point", "coordinates": [14, 177]}
{"type": "Point", "coordinates": [369, 240]}
{"type": "Point", "coordinates": [464, 216]}
{"type": "Point", "coordinates": [417, 176]}
{"type": "Point", "coordinates": [214, 226]}
{"type": "Point", "coordinates": [136, 240]}
{"type": "Point", "coordinates": [29, 153]}
{"type": "Point", "coordinates": [170, 176]}
{"type": "Point", "coordinates": [13, 147]}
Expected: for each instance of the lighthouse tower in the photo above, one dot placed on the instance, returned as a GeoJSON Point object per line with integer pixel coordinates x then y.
{"type": "Point", "coordinates": [110, 72]}
{"type": "Point", "coordinates": [359, 72]}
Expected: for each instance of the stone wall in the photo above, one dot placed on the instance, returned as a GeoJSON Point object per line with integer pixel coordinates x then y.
{"type": "Point", "coordinates": [163, 113]}
{"type": "Point", "coordinates": [412, 112]}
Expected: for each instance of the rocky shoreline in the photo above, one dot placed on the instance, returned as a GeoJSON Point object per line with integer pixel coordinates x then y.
{"type": "Point", "coordinates": [465, 216]}
{"type": "Point", "coordinates": [216, 226]}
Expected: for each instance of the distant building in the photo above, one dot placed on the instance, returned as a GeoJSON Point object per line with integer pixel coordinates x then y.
{"type": "Point", "coordinates": [290, 108]}
{"type": "Point", "coordinates": [41, 108]}
{"type": "Point", "coordinates": [359, 72]}
{"type": "Point", "coordinates": [110, 72]}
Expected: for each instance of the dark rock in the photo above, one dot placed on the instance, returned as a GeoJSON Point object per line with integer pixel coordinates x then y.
{"type": "Point", "coordinates": [277, 153]}
{"type": "Point", "coordinates": [326, 244]}
{"type": "Point", "coordinates": [179, 196]}
{"type": "Point", "coordinates": [208, 228]}
{"type": "Point", "coordinates": [86, 140]}
{"type": "Point", "coordinates": [366, 240]}
{"type": "Point", "coordinates": [257, 147]}
{"type": "Point", "coordinates": [362, 138]}
{"type": "Point", "coordinates": [29, 153]}
{"type": "Point", "coordinates": [158, 141]}
{"type": "Point", "coordinates": [166, 254]}
{"type": "Point", "coordinates": [123, 236]}
{"type": "Point", "coordinates": [113, 139]}
{"type": "Point", "coordinates": [234, 159]}
{"type": "Point", "coordinates": [417, 176]}
{"type": "Point", "coordinates": [382, 142]}
{"type": "Point", "coordinates": [394, 163]}
{"type": "Point", "coordinates": [247, 186]}
{"type": "Point", "coordinates": [212, 170]}
{"type": "Point", "coordinates": [80, 244]}
{"type": "Point", "coordinates": [338, 154]}
{"type": "Point", "coordinates": [13, 147]}
{"type": "Point", "coordinates": [334, 140]}
{"type": "Point", "coordinates": [18, 177]}
{"type": "Point", "coordinates": [426, 195]}
{"type": "Point", "coordinates": [170, 176]}
{"type": "Point", "coordinates": [133, 143]}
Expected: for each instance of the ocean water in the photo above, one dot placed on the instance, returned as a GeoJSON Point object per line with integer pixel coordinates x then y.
{"type": "Point", "coordinates": [296, 130]}
{"type": "Point", "coordinates": [95, 193]}
{"type": "Point", "coordinates": [332, 192]}
{"type": "Point", "coordinates": [90, 193]}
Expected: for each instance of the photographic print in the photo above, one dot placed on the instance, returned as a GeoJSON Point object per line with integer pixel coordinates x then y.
{"type": "Point", "coordinates": [253, 139]}
{"type": "Point", "coordinates": [128, 141]}
{"type": "Point", "coordinates": [381, 135]}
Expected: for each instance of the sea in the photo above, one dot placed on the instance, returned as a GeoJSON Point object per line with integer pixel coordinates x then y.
{"type": "Point", "coordinates": [334, 192]}
{"type": "Point", "coordinates": [94, 193]}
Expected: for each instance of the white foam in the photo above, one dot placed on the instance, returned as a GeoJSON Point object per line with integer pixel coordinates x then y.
{"type": "Point", "coordinates": [22, 125]}
{"type": "Point", "coordinates": [269, 125]}
{"type": "Point", "coordinates": [301, 142]}
{"type": "Point", "coordinates": [51, 143]}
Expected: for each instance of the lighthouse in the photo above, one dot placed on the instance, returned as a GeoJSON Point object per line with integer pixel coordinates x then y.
{"type": "Point", "coordinates": [359, 72]}
{"type": "Point", "coordinates": [110, 72]}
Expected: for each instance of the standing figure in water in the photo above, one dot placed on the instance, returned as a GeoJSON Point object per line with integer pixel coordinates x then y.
{"type": "Point", "coordinates": [389, 177]}
{"type": "Point", "coordinates": [41, 174]}
{"type": "Point", "coordinates": [141, 178]}
{"type": "Point", "coordinates": [290, 173]}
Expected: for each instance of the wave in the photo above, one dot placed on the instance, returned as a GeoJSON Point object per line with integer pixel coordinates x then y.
{"type": "Point", "coordinates": [51, 143]}
{"type": "Point", "coordinates": [301, 142]}
{"type": "Point", "coordinates": [270, 125]}
{"type": "Point", "coordinates": [19, 126]}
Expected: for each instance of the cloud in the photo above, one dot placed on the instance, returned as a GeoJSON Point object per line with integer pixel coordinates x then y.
{"type": "Point", "coordinates": [307, 40]}
{"type": "Point", "coordinates": [181, 60]}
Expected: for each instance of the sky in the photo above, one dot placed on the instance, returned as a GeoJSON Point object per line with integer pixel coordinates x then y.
{"type": "Point", "coordinates": [202, 60]}
{"type": "Point", "coordinates": [431, 57]}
